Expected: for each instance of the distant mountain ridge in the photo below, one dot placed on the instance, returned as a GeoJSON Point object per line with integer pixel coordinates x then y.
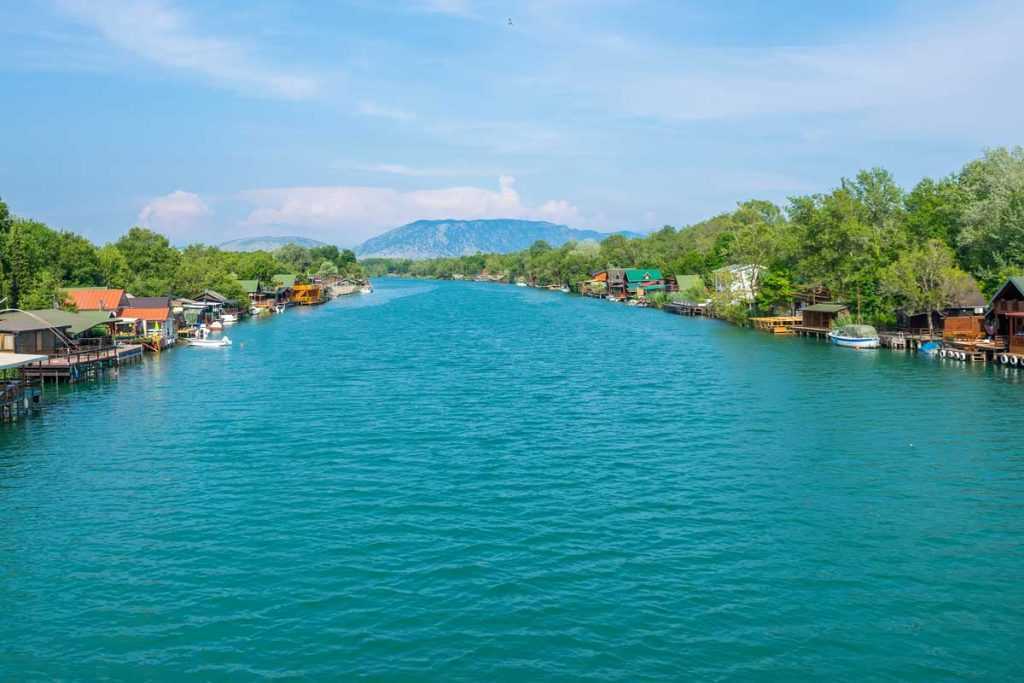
{"type": "Point", "coordinates": [450, 238]}
{"type": "Point", "coordinates": [268, 243]}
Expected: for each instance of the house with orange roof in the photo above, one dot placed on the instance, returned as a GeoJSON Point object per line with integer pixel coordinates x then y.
{"type": "Point", "coordinates": [152, 317]}
{"type": "Point", "coordinates": [97, 299]}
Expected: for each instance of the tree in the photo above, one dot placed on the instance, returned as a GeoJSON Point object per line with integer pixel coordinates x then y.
{"type": "Point", "coordinates": [114, 270]}
{"type": "Point", "coordinates": [925, 279]}
{"type": "Point", "coordinates": [327, 269]}
{"type": "Point", "coordinates": [151, 259]}
{"type": "Point", "coordinates": [294, 258]}
{"type": "Point", "coordinates": [991, 238]}
{"type": "Point", "coordinates": [78, 260]}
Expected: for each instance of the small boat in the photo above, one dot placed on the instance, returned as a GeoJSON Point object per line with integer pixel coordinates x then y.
{"type": "Point", "coordinates": [279, 308]}
{"type": "Point", "coordinates": [521, 284]}
{"type": "Point", "coordinates": [564, 290]}
{"type": "Point", "coordinates": [258, 310]}
{"type": "Point", "coordinates": [210, 343]}
{"type": "Point", "coordinates": [229, 319]}
{"type": "Point", "coordinates": [366, 290]}
{"type": "Point", "coordinates": [216, 326]}
{"type": "Point", "coordinates": [204, 341]}
{"type": "Point", "coordinates": [855, 337]}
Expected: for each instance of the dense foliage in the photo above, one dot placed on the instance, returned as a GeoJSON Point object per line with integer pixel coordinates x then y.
{"type": "Point", "coordinates": [868, 241]}
{"type": "Point", "coordinates": [36, 262]}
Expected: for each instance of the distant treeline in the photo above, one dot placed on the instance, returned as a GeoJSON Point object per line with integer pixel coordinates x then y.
{"type": "Point", "coordinates": [37, 262]}
{"type": "Point", "coordinates": [867, 241]}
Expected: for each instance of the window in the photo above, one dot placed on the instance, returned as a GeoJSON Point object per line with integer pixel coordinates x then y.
{"type": "Point", "coordinates": [39, 341]}
{"type": "Point", "coordinates": [7, 342]}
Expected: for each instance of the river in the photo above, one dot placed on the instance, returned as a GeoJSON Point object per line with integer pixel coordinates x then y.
{"type": "Point", "coordinates": [463, 481]}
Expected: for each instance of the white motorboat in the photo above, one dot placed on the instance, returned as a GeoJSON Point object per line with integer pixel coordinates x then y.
{"type": "Point", "coordinates": [564, 290]}
{"type": "Point", "coordinates": [855, 337]}
{"type": "Point", "coordinates": [521, 284]}
{"type": "Point", "coordinates": [210, 343]}
{"type": "Point", "coordinates": [204, 341]}
{"type": "Point", "coordinates": [366, 290]}
{"type": "Point", "coordinates": [229, 319]}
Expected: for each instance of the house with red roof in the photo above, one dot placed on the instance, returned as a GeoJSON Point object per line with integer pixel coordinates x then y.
{"type": "Point", "coordinates": [97, 299]}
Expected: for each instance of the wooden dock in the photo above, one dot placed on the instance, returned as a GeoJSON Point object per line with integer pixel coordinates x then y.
{"type": "Point", "coordinates": [778, 324]}
{"type": "Point", "coordinates": [808, 331]}
{"type": "Point", "coordinates": [76, 366]}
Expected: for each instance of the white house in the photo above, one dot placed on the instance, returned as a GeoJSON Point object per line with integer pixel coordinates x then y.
{"type": "Point", "coordinates": [740, 280]}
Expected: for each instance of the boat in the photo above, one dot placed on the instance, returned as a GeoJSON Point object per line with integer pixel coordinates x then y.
{"type": "Point", "coordinates": [258, 310]}
{"type": "Point", "coordinates": [280, 308]}
{"type": "Point", "coordinates": [855, 337]}
{"type": "Point", "coordinates": [204, 341]}
{"type": "Point", "coordinates": [216, 326]}
{"type": "Point", "coordinates": [366, 290]}
{"type": "Point", "coordinates": [210, 343]}
{"type": "Point", "coordinates": [229, 319]}
{"type": "Point", "coordinates": [521, 284]}
{"type": "Point", "coordinates": [564, 290]}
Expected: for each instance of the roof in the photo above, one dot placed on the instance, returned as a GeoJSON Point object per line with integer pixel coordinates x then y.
{"type": "Point", "coordinates": [687, 282]}
{"type": "Point", "coordinates": [211, 295]}
{"type": "Point", "coordinates": [250, 286]}
{"type": "Point", "coordinates": [96, 298]}
{"type": "Point", "coordinates": [642, 274]}
{"type": "Point", "coordinates": [77, 322]}
{"type": "Point", "coordinates": [149, 302]}
{"type": "Point", "coordinates": [27, 322]}
{"type": "Point", "coordinates": [285, 279]}
{"type": "Point", "coordinates": [1017, 281]}
{"type": "Point", "coordinates": [17, 360]}
{"type": "Point", "coordinates": [149, 314]}
{"type": "Point", "coordinates": [826, 308]}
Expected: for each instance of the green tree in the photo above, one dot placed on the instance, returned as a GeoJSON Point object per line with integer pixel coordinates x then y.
{"type": "Point", "coordinates": [925, 279]}
{"type": "Point", "coordinates": [114, 270]}
{"type": "Point", "coordinates": [294, 258]}
{"type": "Point", "coordinates": [78, 261]}
{"type": "Point", "coordinates": [327, 269]}
{"type": "Point", "coordinates": [151, 259]}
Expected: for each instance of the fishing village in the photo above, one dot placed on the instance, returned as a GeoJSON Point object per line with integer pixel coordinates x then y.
{"type": "Point", "coordinates": [105, 329]}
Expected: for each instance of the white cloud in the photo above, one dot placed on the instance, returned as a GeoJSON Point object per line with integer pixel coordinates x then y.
{"type": "Point", "coordinates": [159, 33]}
{"type": "Point", "coordinates": [371, 108]}
{"type": "Point", "coordinates": [178, 214]}
{"type": "Point", "coordinates": [350, 214]}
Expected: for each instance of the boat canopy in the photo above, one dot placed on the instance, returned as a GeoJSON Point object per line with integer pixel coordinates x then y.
{"type": "Point", "coordinates": [858, 331]}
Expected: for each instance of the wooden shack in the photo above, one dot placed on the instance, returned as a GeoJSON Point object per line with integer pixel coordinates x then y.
{"type": "Point", "coordinates": [617, 283]}
{"type": "Point", "coordinates": [30, 334]}
{"type": "Point", "coordinates": [821, 316]}
{"type": "Point", "coordinates": [1006, 314]}
{"type": "Point", "coordinates": [306, 295]}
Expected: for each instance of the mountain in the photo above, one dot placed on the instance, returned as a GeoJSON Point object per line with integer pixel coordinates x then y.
{"type": "Point", "coordinates": [268, 243]}
{"type": "Point", "coordinates": [432, 239]}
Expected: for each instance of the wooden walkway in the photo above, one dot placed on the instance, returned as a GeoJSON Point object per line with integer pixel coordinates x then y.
{"type": "Point", "coordinates": [75, 366]}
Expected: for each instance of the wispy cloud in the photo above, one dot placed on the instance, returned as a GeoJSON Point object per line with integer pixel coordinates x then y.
{"type": "Point", "coordinates": [408, 171]}
{"type": "Point", "coordinates": [377, 110]}
{"type": "Point", "coordinates": [160, 33]}
{"type": "Point", "coordinates": [178, 214]}
{"type": "Point", "coordinates": [350, 214]}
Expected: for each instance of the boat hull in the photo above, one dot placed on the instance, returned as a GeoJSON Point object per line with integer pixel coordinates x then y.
{"type": "Point", "coordinates": [855, 342]}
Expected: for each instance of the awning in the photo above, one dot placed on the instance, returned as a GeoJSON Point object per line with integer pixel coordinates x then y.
{"type": "Point", "coordinates": [9, 361]}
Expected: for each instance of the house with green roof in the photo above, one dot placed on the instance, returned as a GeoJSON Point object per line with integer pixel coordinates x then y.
{"type": "Point", "coordinates": [642, 281]}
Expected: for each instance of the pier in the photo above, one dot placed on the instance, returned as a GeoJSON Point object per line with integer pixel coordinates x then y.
{"type": "Point", "coordinates": [77, 365]}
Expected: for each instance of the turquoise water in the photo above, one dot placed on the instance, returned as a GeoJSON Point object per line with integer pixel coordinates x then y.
{"type": "Point", "coordinates": [461, 481]}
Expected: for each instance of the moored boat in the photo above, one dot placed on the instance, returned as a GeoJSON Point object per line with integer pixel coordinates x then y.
{"type": "Point", "coordinates": [366, 290]}
{"type": "Point", "coordinates": [855, 337]}
{"type": "Point", "coordinates": [521, 284]}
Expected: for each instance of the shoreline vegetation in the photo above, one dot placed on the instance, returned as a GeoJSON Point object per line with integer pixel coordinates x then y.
{"type": "Point", "coordinates": [38, 264]}
{"type": "Point", "coordinates": [868, 243]}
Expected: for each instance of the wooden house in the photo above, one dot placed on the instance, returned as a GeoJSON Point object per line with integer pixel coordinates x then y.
{"type": "Point", "coordinates": [643, 281]}
{"type": "Point", "coordinates": [819, 317]}
{"type": "Point", "coordinates": [97, 299]}
{"type": "Point", "coordinates": [965, 316]}
{"type": "Point", "coordinates": [154, 318]}
{"type": "Point", "coordinates": [1006, 314]}
{"type": "Point", "coordinates": [25, 332]}
{"type": "Point", "coordinates": [306, 294]}
{"type": "Point", "coordinates": [597, 285]}
{"type": "Point", "coordinates": [616, 279]}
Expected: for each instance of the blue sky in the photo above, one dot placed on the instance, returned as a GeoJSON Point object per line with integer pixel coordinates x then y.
{"type": "Point", "coordinates": [216, 120]}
